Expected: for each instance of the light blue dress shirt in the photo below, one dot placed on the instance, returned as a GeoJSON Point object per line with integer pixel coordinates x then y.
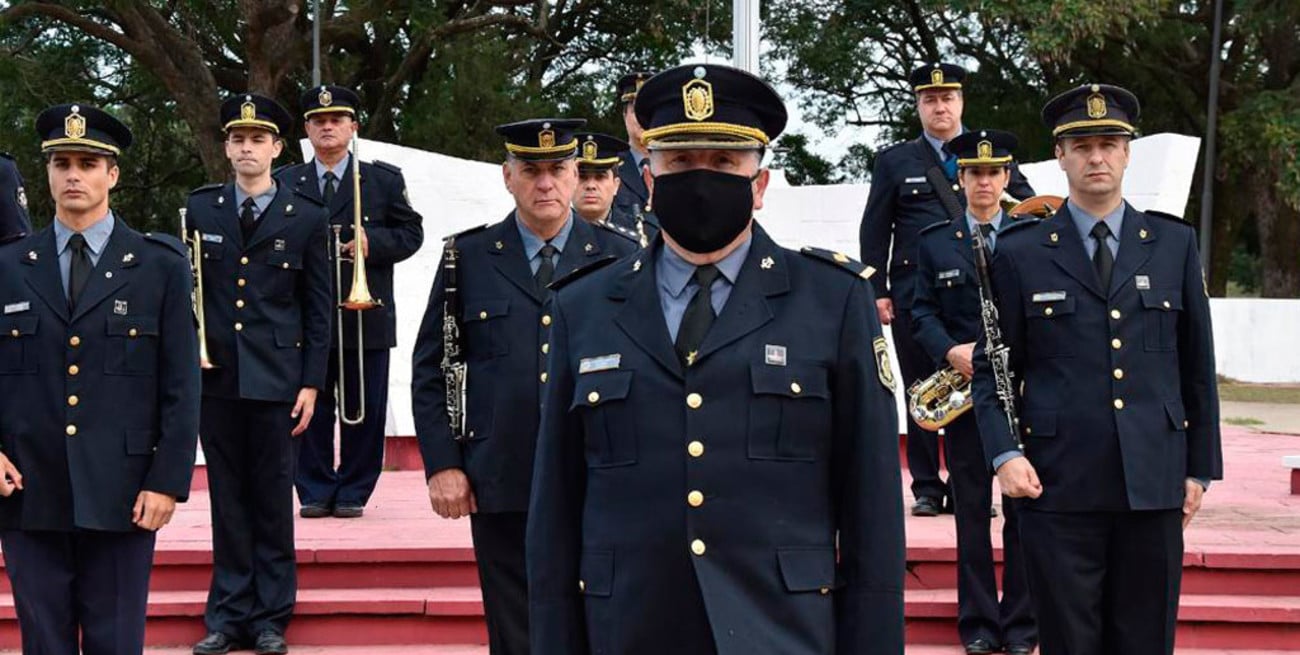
{"type": "Point", "coordinates": [972, 224]}
{"type": "Point", "coordinates": [533, 243]}
{"type": "Point", "coordinates": [338, 170]}
{"type": "Point", "coordinates": [96, 237]}
{"type": "Point", "coordinates": [673, 276]}
{"type": "Point", "coordinates": [1085, 221]}
{"type": "Point", "coordinates": [937, 144]}
{"type": "Point", "coordinates": [260, 202]}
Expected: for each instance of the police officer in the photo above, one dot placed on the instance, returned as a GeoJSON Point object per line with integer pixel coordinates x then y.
{"type": "Point", "coordinates": [719, 420]}
{"type": "Point", "coordinates": [99, 400]}
{"type": "Point", "coordinates": [598, 182]}
{"type": "Point", "coordinates": [13, 201]}
{"type": "Point", "coordinates": [901, 202]}
{"type": "Point", "coordinates": [633, 196]}
{"type": "Point", "coordinates": [1104, 310]}
{"type": "Point", "coordinates": [946, 320]}
{"type": "Point", "coordinates": [266, 294]}
{"type": "Point", "coordinates": [504, 270]}
{"type": "Point", "coordinates": [391, 233]}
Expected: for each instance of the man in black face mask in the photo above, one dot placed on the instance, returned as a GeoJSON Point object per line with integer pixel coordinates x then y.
{"type": "Point", "coordinates": [719, 420]}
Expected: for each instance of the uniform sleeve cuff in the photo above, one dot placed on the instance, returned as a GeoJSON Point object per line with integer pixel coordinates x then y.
{"type": "Point", "coordinates": [1005, 457]}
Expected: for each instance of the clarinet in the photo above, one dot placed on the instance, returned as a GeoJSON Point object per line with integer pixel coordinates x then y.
{"type": "Point", "coordinates": [999, 353]}
{"type": "Point", "coordinates": [455, 371]}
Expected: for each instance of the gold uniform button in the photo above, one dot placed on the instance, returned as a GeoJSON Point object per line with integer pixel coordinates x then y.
{"type": "Point", "coordinates": [74, 369]}
{"type": "Point", "coordinates": [1165, 304]}
{"type": "Point", "coordinates": [73, 400]}
{"type": "Point", "coordinates": [284, 265]}
{"type": "Point", "coordinates": [694, 400]}
{"type": "Point", "coordinates": [546, 319]}
{"type": "Point", "coordinates": [582, 586]}
{"type": "Point", "coordinates": [1047, 312]}
{"type": "Point", "coordinates": [1119, 403]}
{"type": "Point", "coordinates": [593, 397]}
{"type": "Point", "coordinates": [74, 341]}
{"type": "Point", "coordinates": [697, 547]}
{"type": "Point", "coordinates": [71, 430]}
{"type": "Point", "coordinates": [132, 332]}
{"type": "Point", "coordinates": [1118, 373]}
{"type": "Point", "coordinates": [1114, 313]}
{"type": "Point", "coordinates": [695, 448]}
{"type": "Point", "coordinates": [243, 260]}
{"type": "Point", "coordinates": [546, 348]}
{"type": "Point", "coordinates": [795, 388]}
{"type": "Point", "coordinates": [1116, 344]}
{"type": "Point", "coordinates": [239, 304]}
{"type": "Point", "coordinates": [14, 333]}
{"type": "Point", "coordinates": [695, 499]}
{"type": "Point", "coordinates": [241, 282]}
{"type": "Point", "coordinates": [239, 327]}
{"type": "Point", "coordinates": [544, 377]}
{"type": "Point", "coordinates": [825, 591]}
{"type": "Point", "coordinates": [482, 315]}
{"type": "Point", "coordinates": [1029, 430]}
{"type": "Point", "coordinates": [1186, 424]}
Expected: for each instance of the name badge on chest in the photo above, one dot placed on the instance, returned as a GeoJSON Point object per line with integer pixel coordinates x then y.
{"type": "Point", "coordinates": [213, 238]}
{"type": "Point", "coordinates": [949, 274]}
{"type": "Point", "coordinates": [599, 363]}
{"type": "Point", "coordinates": [1049, 296]}
{"type": "Point", "coordinates": [15, 307]}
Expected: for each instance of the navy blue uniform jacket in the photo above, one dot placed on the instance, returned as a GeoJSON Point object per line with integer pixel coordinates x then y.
{"type": "Point", "coordinates": [784, 426]}
{"type": "Point", "coordinates": [393, 230]}
{"type": "Point", "coordinates": [900, 204]}
{"type": "Point", "coordinates": [100, 403]}
{"type": "Point", "coordinates": [14, 222]}
{"type": "Point", "coordinates": [1119, 403]}
{"type": "Point", "coordinates": [267, 303]}
{"type": "Point", "coordinates": [504, 327]}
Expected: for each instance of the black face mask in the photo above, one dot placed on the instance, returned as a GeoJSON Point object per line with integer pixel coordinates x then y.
{"type": "Point", "coordinates": [703, 210]}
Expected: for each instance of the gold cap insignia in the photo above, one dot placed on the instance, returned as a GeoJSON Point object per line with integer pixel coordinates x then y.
{"type": "Point", "coordinates": [325, 98]}
{"type": "Point", "coordinates": [1096, 106]}
{"type": "Point", "coordinates": [589, 149]}
{"type": "Point", "coordinates": [936, 76]}
{"type": "Point", "coordinates": [697, 99]}
{"type": "Point", "coordinates": [248, 111]}
{"type": "Point", "coordinates": [74, 126]}
{"type": "Point", "coordinates": [985, 150]}
{"type": "Point", "coordinates": [546, 138]}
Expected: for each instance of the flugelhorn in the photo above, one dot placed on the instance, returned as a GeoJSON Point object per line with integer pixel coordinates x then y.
{"type": "Point", "coordinates": [357, 300]}
{"type": "Point", "coordinates": [939, 399]}
{"type": "Point", "coordinates": [195, 244]}
{"type": "Point", "coordinates": [1042, 206]}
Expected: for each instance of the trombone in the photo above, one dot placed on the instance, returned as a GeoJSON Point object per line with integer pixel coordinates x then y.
{"type": "Point", "coordinates": [195, 244]}
{"type": "Point", "coordinates": [358, 299]}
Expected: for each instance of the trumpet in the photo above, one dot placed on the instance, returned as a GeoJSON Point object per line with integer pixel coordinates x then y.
{"type": "Point", "coordinates": [939, 399]}
{"type": "Point", "coordinates": [195, 244]}
{"type": "Point", "coordinates": [358, 299]}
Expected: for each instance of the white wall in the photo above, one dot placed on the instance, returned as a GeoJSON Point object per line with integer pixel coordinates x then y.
{"type": "Point", "coordinates": [455, 194]}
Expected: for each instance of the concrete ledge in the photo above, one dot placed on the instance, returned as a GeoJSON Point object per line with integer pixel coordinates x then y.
{"type": "Point", "coordinates": [1293, 462]}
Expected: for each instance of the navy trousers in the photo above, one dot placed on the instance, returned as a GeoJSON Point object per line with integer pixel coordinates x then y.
{"type": "Point", "coordinates": [980, 614]}
{"type": "Point", "coordinates": [83, 591]}
{"type": "Point", "coordinates": [922, 445]}
{"type": "Point", "coordinates": [361, 447]}
{"type": "Point", "coordinates": [249, 455]}
{"type": "Point", "coordinates": [1104, 582]}
{"type": "Point", "coordinates": [499, 551]}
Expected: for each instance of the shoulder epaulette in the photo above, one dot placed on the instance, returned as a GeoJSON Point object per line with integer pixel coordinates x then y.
{"type": "Point", "coordinates": [621, 231]}
{"type": "Point", "coordinates": [1024, 222]}
{"type": "Point", "coordinates": [1165, 215]}
{"type": "Point", "coordinates": [580, 271]}
{"type": "Point", "coordinates": [462, 233]}
{"type": "Point", "coordinates": [391, 168]}
{"type": "Point", "coordinates": [840, 260]}
{"type": "Point", "coordinates": [934, 226]}
{"type": "Point", "coordinates": [168, 240]}
{"type": "Point", "coordinates": [206, 188]}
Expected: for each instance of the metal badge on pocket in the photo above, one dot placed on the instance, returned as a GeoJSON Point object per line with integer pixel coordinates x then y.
{"type": "Point", "coordinates": [119, 307]}
{"type": "Point", "coordinates": [774, 355]}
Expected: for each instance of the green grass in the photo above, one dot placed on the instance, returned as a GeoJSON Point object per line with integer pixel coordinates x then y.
{"type": "Point", "coordinates": [1243, 422]}
{"type": "Point", "coordinates": [1259, 393]}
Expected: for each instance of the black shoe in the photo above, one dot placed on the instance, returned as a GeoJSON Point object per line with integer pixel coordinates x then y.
{"type": "Point", "coordinates": [314, 511]}
{"type": "Point", "coordinates": [1019, 649]}
{"type": "Point", "coordinates": [981, 646]}
{"type": "Point", "coordinates": [216, 643]}
{"type": "Point", "coordinates": [927, 506]}
{"type": "Point", "coordinates": [348, 511]}
{"type": "Point", "coordinates": [270, 642]}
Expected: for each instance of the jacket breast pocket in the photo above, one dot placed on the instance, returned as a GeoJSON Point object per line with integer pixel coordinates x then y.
{"type": "Point", "coordinates": [282, 274]}
{"type": "Point", "coordinates": [790, 416]}
{"type": "Point", "coordinates": [808, 569]}
{"type": "Point", "coordinates": [213, 252]}
{"type": "Point", "coordinates": [132, 345]}
{"type": "Point", "coordinates": [18, 350]}
{"type": "Point", "coordinates": [1050, 327]}
{"type": "Point", "coordinates": [915, 192]}
{"type": "Point", "coordinates": [600, 399]}
{"type": "Point", "coordinates": [485, 328]}
{"type": "Point", "coordinates": [1160, 311]}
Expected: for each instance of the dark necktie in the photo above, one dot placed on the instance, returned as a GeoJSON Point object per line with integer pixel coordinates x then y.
{"type": "Point", "coordinates": [986, 229]}
{"type": "Point", "coordinates": [546, 269]}
{"type": "Point", "coordinates": [1103, 260]}
{"type": "Point", "coordinates": [331, 181]}
{"type": "Point", "coordinates": [247, 221]}
{"type": "Point", "coordinates": [698, 317]}
{"type": "Point", "coordinates": [79, 271]}
{"type": "Point", "coordinates": [949, 165]}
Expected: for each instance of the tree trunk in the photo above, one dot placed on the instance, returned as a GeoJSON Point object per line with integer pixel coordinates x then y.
{"type": "Point", "coordinates": [1279, 232]}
